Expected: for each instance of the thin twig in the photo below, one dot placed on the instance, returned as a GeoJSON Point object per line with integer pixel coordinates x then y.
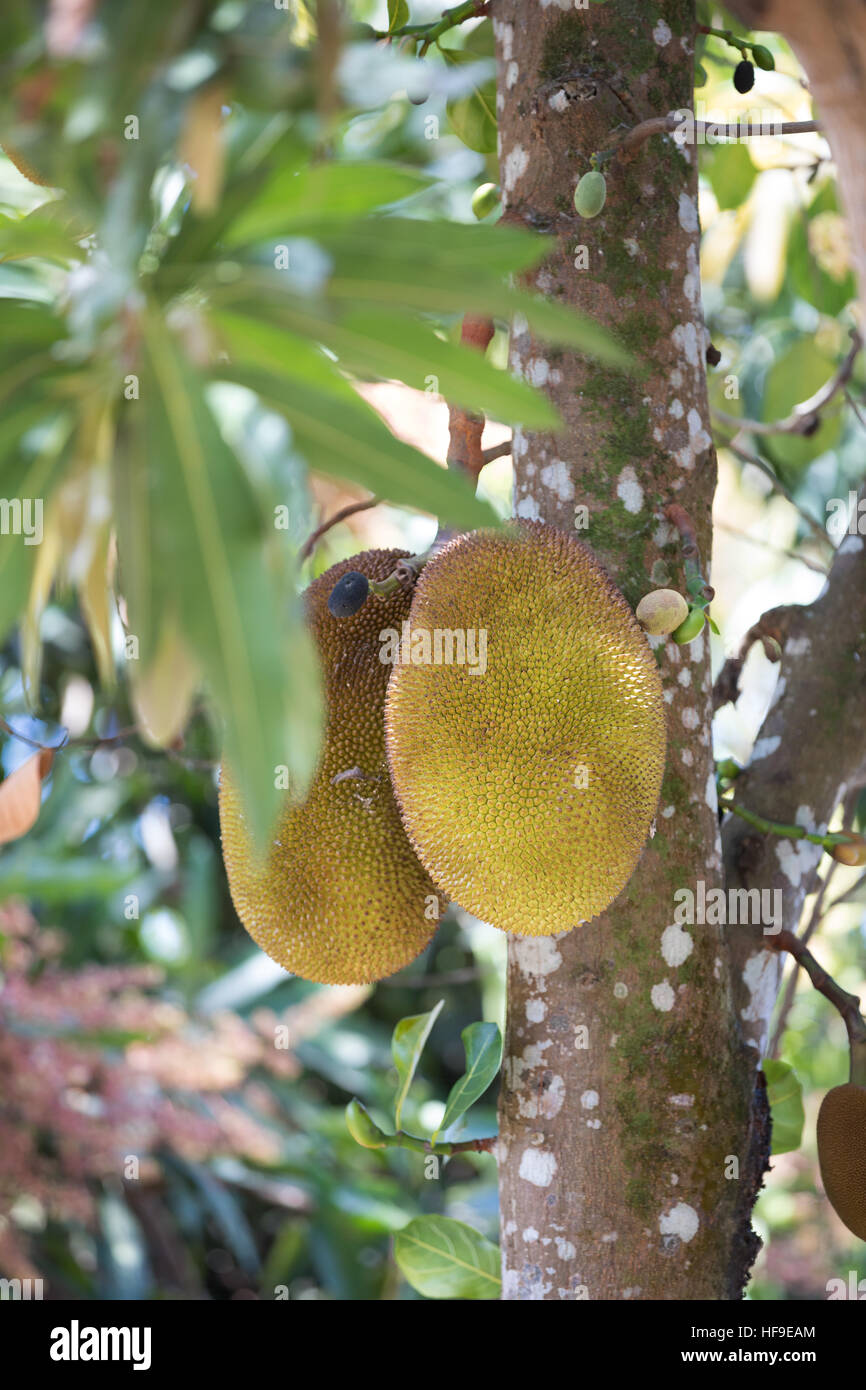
{"type": "Point", "coordinates": [765, 545]}
{"type": "Point", "coordinates": [310, 543]}
{"type": "Point", "coordinates": [667, 125]}
{"type": "Point", "coordinates": [805, 417]}
{"type": "Point", "coordinates": [497, 451]}
{"type": "Point", "coordinates": [848, 1005]}
{"type": "Point", "coordinates": [746, 456]}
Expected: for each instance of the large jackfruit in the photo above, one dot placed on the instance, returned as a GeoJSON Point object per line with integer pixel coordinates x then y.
{"type": "Point", "coordinates": [341, 898]}
{"type": "Point", "coordinates": [528, 783]}
{"type": "Point", "coordinates": [842, 1153]}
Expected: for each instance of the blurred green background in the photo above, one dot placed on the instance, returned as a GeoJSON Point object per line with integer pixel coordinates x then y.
{"type": "Point", "coordinates": [171, 1102]}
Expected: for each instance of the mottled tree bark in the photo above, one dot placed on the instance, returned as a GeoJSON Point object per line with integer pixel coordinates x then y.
{"type": "Point", "coordinates": [631, 1146]}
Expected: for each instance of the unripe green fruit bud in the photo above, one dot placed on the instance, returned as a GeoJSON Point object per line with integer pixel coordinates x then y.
{"type": "Point", "coordinates": [689, 627]}
{"type": "Point", "coordinates": [661, 611]}
{"type": "Point", "coordinates": [852, 852]}
{"type": "Point", "coordinates": [590, 194]}
{"type": "Point", "coordinates": [842, 1153]}
{"type": "Point", "coordinates": [363, 1128]}
{"type": "Point", "coordinates": [485, 199]}
{"type": "Point", "coordinates": [763, 58]}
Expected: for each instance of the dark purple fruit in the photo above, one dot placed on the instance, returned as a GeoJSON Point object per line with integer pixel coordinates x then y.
{"type": "Point", "coordinates": [348, 594]}
{"type": "Point", "coordinates": [744, 76]}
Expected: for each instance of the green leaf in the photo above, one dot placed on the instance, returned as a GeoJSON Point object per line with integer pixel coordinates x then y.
{"type": "Point", "coordinates": [297, 198]}
{"type": "Point", "coordinates": [347, 440]}
{"type": "Point", "coordinates": [442, 1258]}
{"type": "Point", "coordinates": [785, 1095]}
{"type": "Point", "coordinates": [387, 345]}
{"type": "Point", "coordinates": [794, 377]}
{"type": "Point", "coordinates": [193, 546]}
{"type": "Point", "coordinates": [398, 14]}
{"type": "Point", "coordinates": [483, 1044]}
{"type": "Point", "coordinates": [41, 233]}
{"type": "Point", "coordinates": [830, 293]}
{"type": "Point", "coordinates": [32, 473]}
{"type": "Point", "coordinates": [730, 171]}
{"type": "Point", "coordinates": [407, 1044]}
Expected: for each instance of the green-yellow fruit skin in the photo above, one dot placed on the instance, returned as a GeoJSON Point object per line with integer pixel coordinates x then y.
{"type": "Point", "coordinates": [528, 790]}
{"type": "Point", "coordinates": [590, 194]}
{"type": "Point", "coordinates": [485, 200]}
{"type": "Point", "coordinates": [661, 611]}
{"type": "Point", "coordinates": [363, 1127]}
{"type": "Point", "coordinates": [340, 898]}
{"type": "Point", "coordinates": [762, 57]}
{"type": "Point", "coordinates": [689, 627]}
{"type": "Point", "coordinates": [842, 1154]}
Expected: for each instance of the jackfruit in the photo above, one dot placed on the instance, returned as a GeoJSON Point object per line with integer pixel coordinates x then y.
{"type": "Point", "coordinates": [528, 773]}
{"type": "Point", "coordinates": [340, 897]}
{"type": "Point", "coordinates": [842, 1153]}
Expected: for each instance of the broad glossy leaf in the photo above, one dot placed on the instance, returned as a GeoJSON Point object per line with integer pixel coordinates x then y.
{"type": "Point", "coordinates": [483, 1044]}
{"type": "Point", "coordinates": [192, 547]}
{"type": "Point", "coordinates": [793, 377]}
{"type": "Point", "coordinates": [407, 1044]}
{"type": "Point", "coordinates": [295, 199]}
{"type": "Point", "coordinates": [730, 171]}
{"type": "Point", "coordinates": [443, 1258]}
{"type": "Point", "coordinates": [398, 14]}
{"type": "Point", "coordinates": [346, 439]}
{"type": "Point", "coordinates": [785, 1095]}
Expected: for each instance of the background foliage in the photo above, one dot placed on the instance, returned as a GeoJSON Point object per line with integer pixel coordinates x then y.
{"type": "Point", "coordinates": [137, 1022]}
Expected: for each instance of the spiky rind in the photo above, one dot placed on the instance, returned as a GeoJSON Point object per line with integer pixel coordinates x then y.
{"type": "Point", "coordinates": [341, 897]}
{"type": "Point", "coordinates": [528, 791]}
{"type": "Point", "coordinates": [841, 1133]}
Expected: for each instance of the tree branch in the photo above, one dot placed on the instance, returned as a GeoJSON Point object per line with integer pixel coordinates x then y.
{"type": "Point", "coordinates": [310, 543]}
{"type": "Point", "coordinates": [805, 417]}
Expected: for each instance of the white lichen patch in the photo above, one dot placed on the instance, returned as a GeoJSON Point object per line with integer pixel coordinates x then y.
{"type": "Point", "coordinates": [589, 1100]}
{"type": "Point", "coordinates": [537, 957]}
{"type": "Point", "coordinates": [537, 371]}
{"type": "Point", "coordinates": [687, 213]}
{"type": "Point", "coordinates": [797, 858]}
{"type": "Point", "coordinates": [631, 246]}
{"type": "Point", "coordinates": [761, 977]}
{"type": "Point", "coordinates": [535, 1010]}
{"type": "Point", "coordinates": [556, 477]}
{"type": "Point", "coordinates": [527, 507]}
{"type": "Point", "coordinates": [685, 337]}
{"type": "Point", "coordinates": [662, 34]}
{"type": "Point", "coordinates": [682, 1101]}
{"type": "Point", "coordinates": [512, 72]}
{"type": "Point", "coordinates": [681, 1220]}
{"type": "Point", "coordinates": [690, 717]}
{"type": "Point", "coordinates": [687, 757]}
{"type": "Point", "coordinates": [685, 676]}
{"type": "Point", "coordinates": [564, 1249]}
{"type": "Point", "coordinates": [558, 102]}
{"type": "Point", "coordinates": [530, 1234]}
{"type": "Point", "coordinates": [668, 812]}
{"type": "Point", "coordinates": [504, 34]}
{"type": "Point", "coordinates": [629, 490]}
{"type": "Point", "coordinates": [538, 1167]}
{"type": "Point", "coordinates": [662, 997]}
{"type": "Point", "coordinates": [676, 408]}
{"type": "Point", "coordinates": [677, 945]}
{"type": "Point", "coordinates": [515, 166]}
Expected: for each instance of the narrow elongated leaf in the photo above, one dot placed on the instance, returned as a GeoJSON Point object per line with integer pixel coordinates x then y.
{"type": "Point", "coordinates": [407, 1044]}
{"type": "Point", "coordinates": [443, 1258]}
{"type": "Point", "coordinates": [785, 1094]}
{"type": "Point", "coordinates": [191, 545]}
{"type": "Point", "coordinates": [347, 440]}
{"type": "Point", "coordinates": [383, 344]}
{"type": "Point", "coordinates": [28, 477]}
{"type": "Point", "coordinates": [483, 1044]}
{"type": "Point", "coordinates": [295, 199]}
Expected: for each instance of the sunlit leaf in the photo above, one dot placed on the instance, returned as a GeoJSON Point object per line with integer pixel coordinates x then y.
{"type": "Point", "coordinates": [294, 199]}
{"type": "Point", "coordinates": [785, 1095]}
{"type": "Point", "coordinates": [407, 1044]}
{"type": "Point", "coordinates": [483, 1044]}
{"type": "Point", "coordinates": [442, 1258]}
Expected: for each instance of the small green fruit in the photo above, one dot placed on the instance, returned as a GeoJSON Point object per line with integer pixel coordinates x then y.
{"type": "Point", "coordinates": [590, 194]}
{"type": "Point", "coordinates": [763, 58]}
{"type": "Point", "coordinates": [689, 627]}
{"type": "Point", "coordinates": [661, 611]}
{"type": "Point", "coordinates": [485, 199]}
{"type": "Point", "coordinates": [363, 1128]}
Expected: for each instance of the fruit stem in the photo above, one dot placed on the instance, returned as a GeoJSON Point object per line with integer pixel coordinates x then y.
{"type": "Point", "coordinates": [402, 1140]}
{"type": "Point", "coordinates": [728, 36]}
{"type": "Point", "coordinates": [848, 1005]}
{"type": "Point", "coordinates": [401, 577]}
{"type": "Point", "coordinates": [783, 830]}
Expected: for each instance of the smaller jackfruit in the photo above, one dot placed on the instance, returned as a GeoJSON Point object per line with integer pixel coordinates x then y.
{"type": "Point", "coordinates": [690, 627]}
{"type": "Point", "coordinates": [842, 1153]}
{"type": "Point", "coordinates": [661, 611]}
{"type": "Point", "coordinates": [525, 729]}
{"type": "Point", "coordinates": [339, 897]}
{"type": "Point", "coordinates": [590, 194]}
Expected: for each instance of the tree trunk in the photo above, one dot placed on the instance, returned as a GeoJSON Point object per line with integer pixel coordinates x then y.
{"type": "Point", "coordinates": [632, 1144]}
